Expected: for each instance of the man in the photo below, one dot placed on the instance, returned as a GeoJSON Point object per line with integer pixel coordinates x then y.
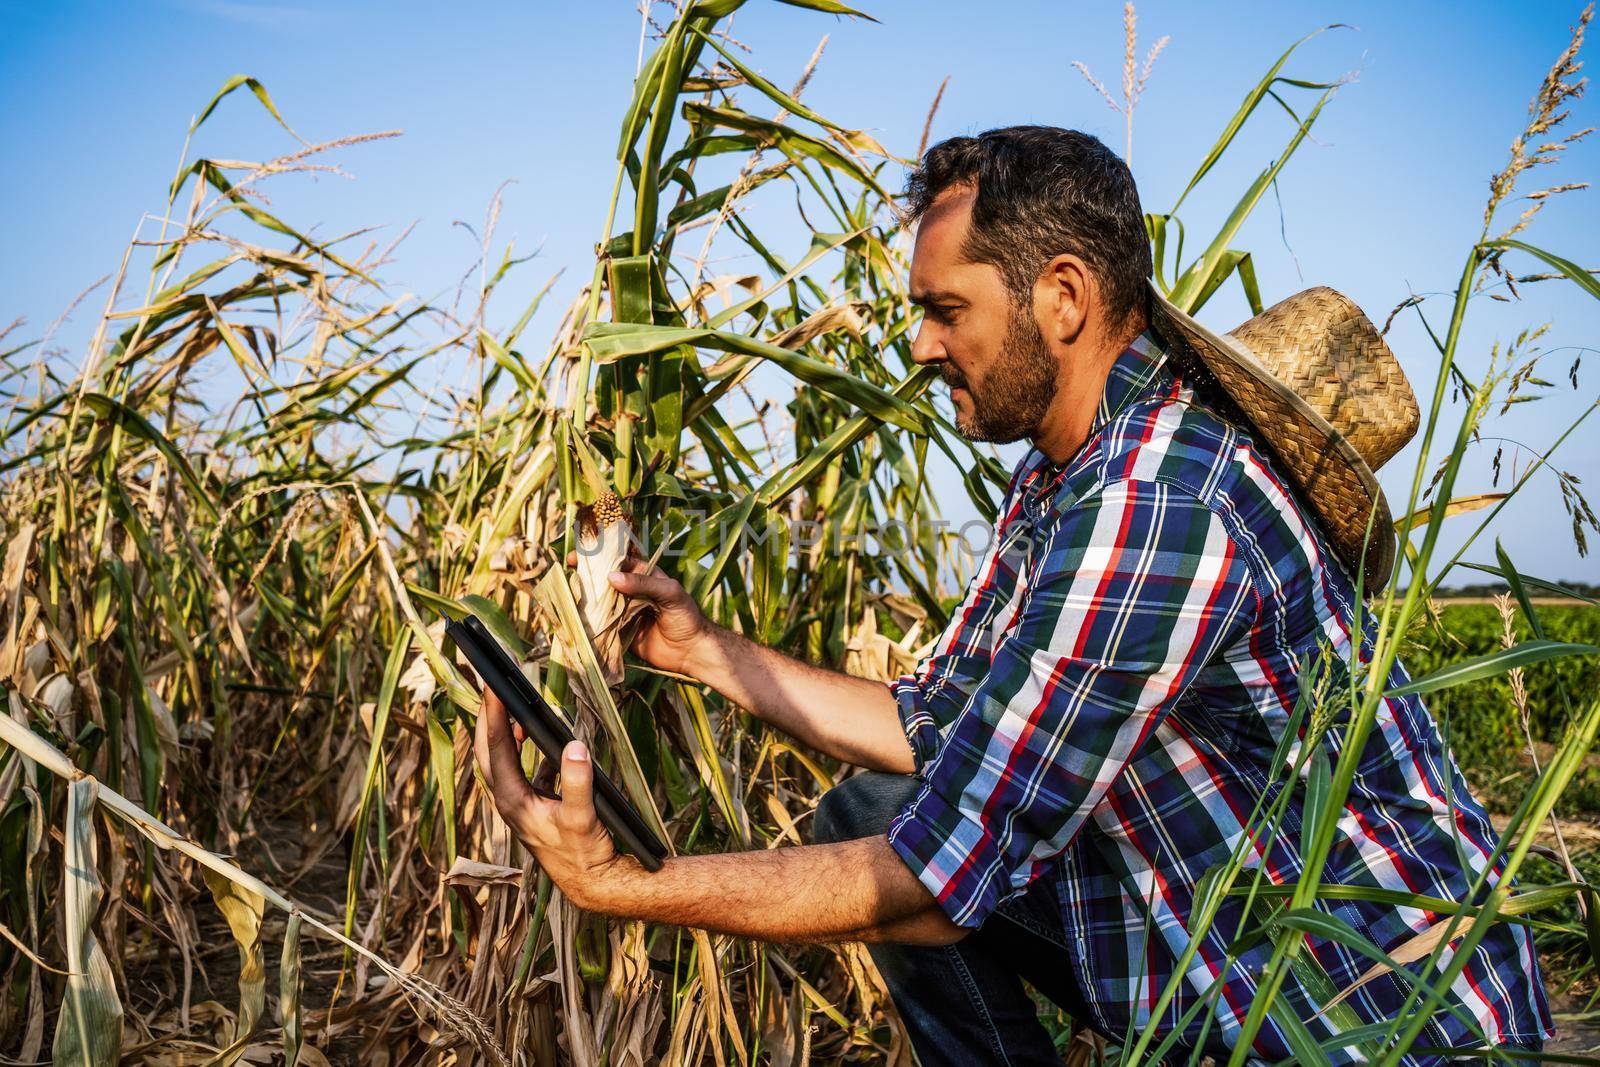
{"type": "Point", "coordinates": [1101, 716]}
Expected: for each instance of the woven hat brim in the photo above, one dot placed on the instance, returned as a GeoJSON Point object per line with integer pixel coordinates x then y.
{"type": "Point", "coordinates": [1333, 479]}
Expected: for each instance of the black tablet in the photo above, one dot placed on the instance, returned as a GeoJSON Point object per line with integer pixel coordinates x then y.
{"type": "Point", "coordinates": [551, 733]}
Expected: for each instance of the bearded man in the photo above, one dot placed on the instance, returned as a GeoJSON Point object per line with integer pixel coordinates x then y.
{"type": "Point", "coordinates": [1132, 676]}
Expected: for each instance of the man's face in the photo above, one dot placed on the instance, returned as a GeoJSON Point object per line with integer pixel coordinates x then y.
{"type": "Point", "coordinates": [1001, 373]}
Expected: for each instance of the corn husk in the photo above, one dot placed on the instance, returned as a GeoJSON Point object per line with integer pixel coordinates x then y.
{"type": "Point", "coordinates": [603, 537]}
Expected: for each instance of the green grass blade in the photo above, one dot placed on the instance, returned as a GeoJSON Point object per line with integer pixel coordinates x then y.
{"type": "Point", "coordinates": [1585, 279]}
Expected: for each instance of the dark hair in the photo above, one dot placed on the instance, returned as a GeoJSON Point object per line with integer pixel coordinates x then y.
{"type": "Point", "coordinates": [1043, 191]}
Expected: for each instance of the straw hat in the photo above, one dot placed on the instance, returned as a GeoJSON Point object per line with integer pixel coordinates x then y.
{"type": "Point", "coordinates": [1320, 387]}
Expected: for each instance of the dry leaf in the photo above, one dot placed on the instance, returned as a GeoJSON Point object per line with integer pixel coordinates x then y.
{"type": "Point", "coordinates": [1406, 952]}
{"type": "Point", "coordinates": [475, 873]}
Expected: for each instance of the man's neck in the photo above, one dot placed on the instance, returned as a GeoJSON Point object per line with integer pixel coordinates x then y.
{"type": "Point", "coordinates": [1081, 383]}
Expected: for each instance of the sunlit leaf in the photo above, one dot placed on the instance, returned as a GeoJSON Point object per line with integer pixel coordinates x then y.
{"type": "Point", "coordinates": [1495, 663]}
{"type": "Point", "coordinates": [89, 1026]}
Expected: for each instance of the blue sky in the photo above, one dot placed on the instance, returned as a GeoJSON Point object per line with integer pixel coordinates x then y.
{"type": "Point", "coordinates": [95, 97]}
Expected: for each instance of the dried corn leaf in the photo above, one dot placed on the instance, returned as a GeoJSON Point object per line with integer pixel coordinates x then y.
{"type": "Point", "coordinates": [696, 726]}
{"type": "Point", "coordinates": [89, 1028]}
{"type": "Point", "coordinates": [242, 908]}
{"type": "Point", "coordinates": [12, 571]}
{"type": "Point", "coordinates": [1460, 505]}
{"type": "Point", "coordinates": [452, 1015]}
{"type": "Point", "coordinates": [581, 1042]}
{"type": "Point", "coordinates": [1406, 952]}
{"type": "Point", "coordinates": [289, 989]}
{"type": "Point", "coordinates": [470, 872]}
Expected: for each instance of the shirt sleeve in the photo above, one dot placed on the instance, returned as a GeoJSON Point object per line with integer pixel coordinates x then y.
{"type": "Point", "coordinates": [931, 697]}
{"type": "Point", "coordinates": [1139, 587]}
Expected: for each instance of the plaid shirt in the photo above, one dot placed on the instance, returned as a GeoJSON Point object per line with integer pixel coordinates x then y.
{"type": "Point", "coordinates": [1103, 710]}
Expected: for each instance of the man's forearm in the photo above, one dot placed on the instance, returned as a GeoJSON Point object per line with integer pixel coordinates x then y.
{"type": "Point", "coordinates": [849, 718]}
{"type": "Point", "coordinates": [851, 891]}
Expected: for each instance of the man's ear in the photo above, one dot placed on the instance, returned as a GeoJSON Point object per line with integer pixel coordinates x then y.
{"type": "Point", "coordinates": [1065, 293]}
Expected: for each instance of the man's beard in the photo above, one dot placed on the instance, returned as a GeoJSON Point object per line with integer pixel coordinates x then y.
{"type": "Point", "coordinates": [1017, 390]}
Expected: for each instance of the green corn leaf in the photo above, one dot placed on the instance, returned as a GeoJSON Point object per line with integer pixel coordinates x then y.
{"type": "Point", "coordinates": [726, 525]}
{"type": "Point", "coordinates": [854, 138]}
{"type": "Point", "coordinates": [208, 171]}
{"type": "Point", "coordinates": [152, 759]}
{"type": "Point", "coordinates": [716, 9]}
{"type": "Point", "coordinates": [713, 201]}
{"type": "Point", "coordinates": [629, 282]}
{"type": "Point", "coordinates": [1495, 663]}
{"type": "Point", "coordinates": [832, 7]}
{"type": "Point", "coordinates": [645, 89]}
{"type": "Point", "coordinates": [442, 762]}
{"type": "Point", "coordinates": [1332, 928]}
{"type": "Point", "coordinates": [394, 666]}
{"type": "Point", "coordinates": [679, 57]}
{"type": "Point", "coordinates": [260, 94]}
{"type": "Point", "coordinates": [33, 415]}
{"type": "Point", "coordinates": [499, 623]}
{"type": "Point", "coordinates": [1232, 262]}
{"type": "Point", "coordinates": [339, 595]}
{"type": "Point", "coordinates": [821, 245]}
{"type": "Point", "coordinates": [1202, 275]}
{"type": "Point", "coordinates": [438, 602]}
{"type": "Point", "coordinates": [612, 341]}
{"type": "Point", "coordinates": [803, 470]}
{"type": "Point", "coordinates": [790, 142]}
{"type": "Point", "coordinates": [1155, 228]}
{"type": "Point", "coordinates": [696, 726]}
{"type": "Point", "coordinates": [1512, 910]}
{"type": "Point", "coordinates": [512, 363]}
{"type": "Point", "coordinates": [1300, 1039]}
{"type": "Point", "coordinates": [136, 424]}
{"type": "Point", "coordinates": [1252, 100]}
{"type": "Point", "coordinates": [1591, 922]}
{"type": "Point", "coordinates": [1319, 784]}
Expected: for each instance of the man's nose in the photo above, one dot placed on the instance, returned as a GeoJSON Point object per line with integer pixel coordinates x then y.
{"type": "Point", "coordinates": [926, 347]}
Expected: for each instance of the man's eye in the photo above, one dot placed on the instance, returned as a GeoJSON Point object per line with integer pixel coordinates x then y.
{"type": "Point", "coordinates": [940, 313]}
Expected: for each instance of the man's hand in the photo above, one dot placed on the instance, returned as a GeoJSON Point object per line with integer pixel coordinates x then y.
{"type": "Point", "coordinates": [852, 891]}
{"type": "Point", "coordinates": [673, 628]}
{"type": "Point", "coordinates": [853, 719]}
{"type": "Point", "coordinates": [562, 832]}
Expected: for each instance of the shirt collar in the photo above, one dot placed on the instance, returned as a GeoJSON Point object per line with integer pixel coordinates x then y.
{"type": "Point", "coordinates": [1133, 374]}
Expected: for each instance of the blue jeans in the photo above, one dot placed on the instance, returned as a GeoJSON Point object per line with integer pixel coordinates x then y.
{"type": "Point", "coordinates": [964, 1003]}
